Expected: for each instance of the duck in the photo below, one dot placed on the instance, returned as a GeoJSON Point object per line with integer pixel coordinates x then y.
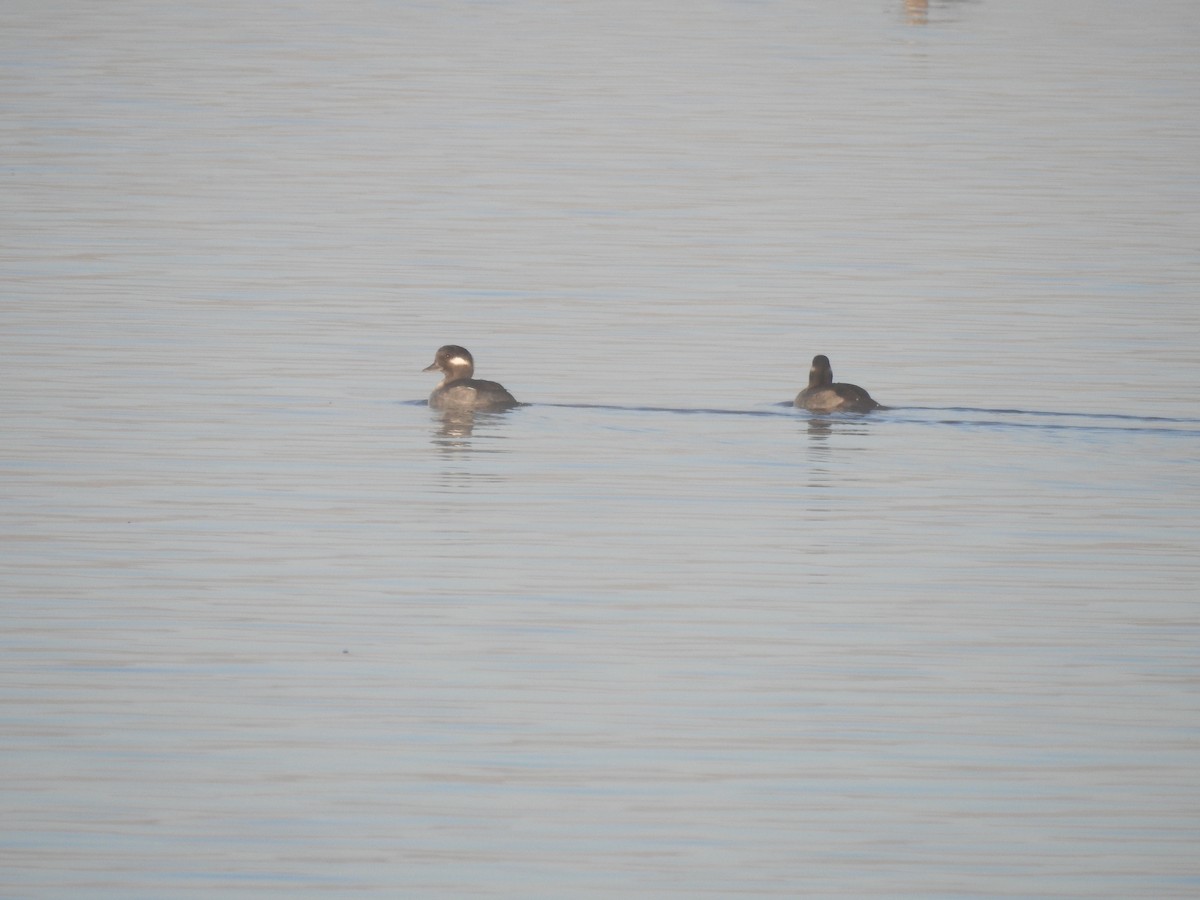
{"type": "Point", "coordinates": [823, 395]}
{"type": "Point", "coordinates": [458, 390]}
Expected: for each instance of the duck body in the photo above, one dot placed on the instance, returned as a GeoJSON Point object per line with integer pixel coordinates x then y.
{"type": "Point", "coordinates": [458, 390]}
{"type": "Point", "coordinates": [823, 395]}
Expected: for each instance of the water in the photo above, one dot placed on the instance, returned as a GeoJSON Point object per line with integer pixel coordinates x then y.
{"type": "Point", "coordinates": [274, 628]}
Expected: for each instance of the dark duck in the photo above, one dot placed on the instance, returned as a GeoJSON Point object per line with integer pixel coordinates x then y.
{"type": "Point", "coordinates": [458, 390]}
{"type": "Point", "coordinates": [823, 395]}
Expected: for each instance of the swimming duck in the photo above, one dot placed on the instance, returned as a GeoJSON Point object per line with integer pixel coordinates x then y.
{"type": "Point", "coordinates": [458, 390]}
{"type": "Point", "coordinates": [822, 395]}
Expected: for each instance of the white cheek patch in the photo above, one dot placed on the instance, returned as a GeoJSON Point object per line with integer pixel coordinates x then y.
{"type": "Point", "coordinates": [457, 361]}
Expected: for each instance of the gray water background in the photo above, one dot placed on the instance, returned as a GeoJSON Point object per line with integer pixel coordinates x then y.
{"type": "Point", "coordinates": [272, 628]}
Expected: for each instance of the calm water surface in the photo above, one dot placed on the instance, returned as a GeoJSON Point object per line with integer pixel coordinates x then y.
{"type": "Point", "coordinates": [271, 627]}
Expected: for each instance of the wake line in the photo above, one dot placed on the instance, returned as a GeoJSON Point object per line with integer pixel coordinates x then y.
{"type": "Point", "coordinates": [1042, 412]}
{"type": "Point", "coordinates": [882, 414]}
{"type": "Point", "coordinates": [663, 409]}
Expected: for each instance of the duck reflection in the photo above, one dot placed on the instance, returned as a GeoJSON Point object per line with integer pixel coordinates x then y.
{"type": "Point", "coordinates": [454, 431]}
{"type": "Point", "coordinates": [916, 12]}
{"type": "Point", "coordinates": [819, 429]}
{"type": "Point", "coordinates": [454, 426]}
{"type": "Point", "coordinates": [465, 440]}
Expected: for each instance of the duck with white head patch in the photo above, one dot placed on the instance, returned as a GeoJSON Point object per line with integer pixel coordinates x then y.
{"type": "Point", "coordinates": [458, 390]}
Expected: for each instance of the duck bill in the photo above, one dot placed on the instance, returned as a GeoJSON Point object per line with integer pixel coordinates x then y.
{"type": "Point", "coordinates": [432, 367]}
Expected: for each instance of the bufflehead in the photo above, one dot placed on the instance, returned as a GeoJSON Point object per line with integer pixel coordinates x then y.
{"type": "Point", "coordinates": [458, 390]}
{"type": "Point", "coordinates": [822, 395]}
